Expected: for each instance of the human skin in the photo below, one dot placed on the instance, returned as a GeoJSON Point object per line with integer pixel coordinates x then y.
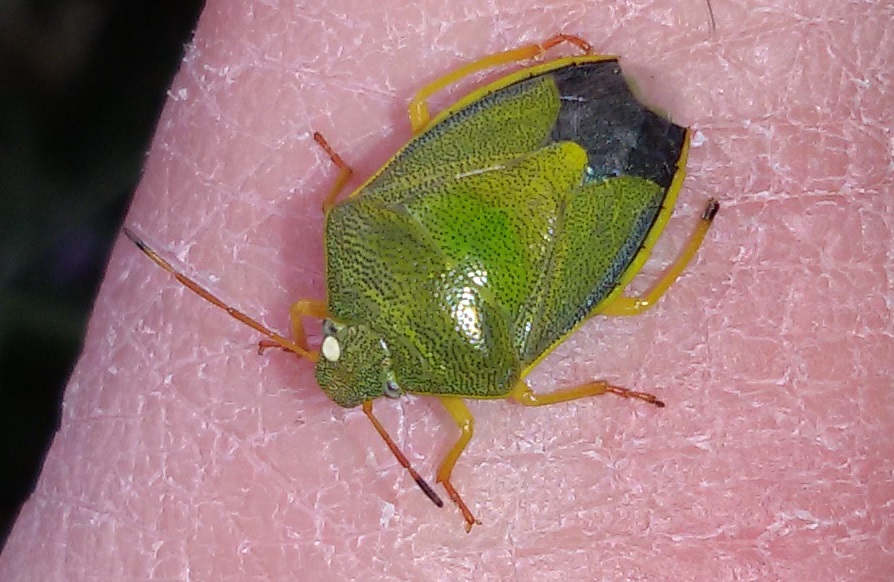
{"type": "Point", "coordinates": [185, 455]}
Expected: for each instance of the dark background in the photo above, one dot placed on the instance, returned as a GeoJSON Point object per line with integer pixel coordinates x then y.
{"type": "Point", "coordinates": [82, 83]}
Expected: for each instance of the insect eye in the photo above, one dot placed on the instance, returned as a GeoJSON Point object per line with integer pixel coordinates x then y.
{"type": "Point", "coordinates": [328, 327]}
{"type": "Point", "coordinates": [392, 390]}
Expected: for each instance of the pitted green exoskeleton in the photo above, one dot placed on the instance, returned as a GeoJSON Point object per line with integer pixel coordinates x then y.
{"type": "Point", "coordinates": [355, 365]}
{"type": "Point", "coordinates": [507, 221]}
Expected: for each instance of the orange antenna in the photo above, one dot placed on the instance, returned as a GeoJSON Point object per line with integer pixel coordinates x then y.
{"type": "Point", "coordinates": [711, 20]}
{"type": "Point", "coordinates": [275, 338]}
{"type": "Point", "coordinates": [278, 340]}
{"type": "Point", "coordinates": [401, 458]}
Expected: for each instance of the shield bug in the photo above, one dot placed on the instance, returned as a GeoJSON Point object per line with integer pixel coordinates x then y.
{"type": "Point", "coordinates": [508, 220]}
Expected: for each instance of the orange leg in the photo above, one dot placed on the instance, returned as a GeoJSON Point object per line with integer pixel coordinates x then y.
{"type": "Point", "coordinates": [419, 116]}
{"type": "Point", "coordinates": [466, 422]}
{"type": "Point", "coordinates": [344, 172]}
{"type": "Point", "coordinates": [523, 394]}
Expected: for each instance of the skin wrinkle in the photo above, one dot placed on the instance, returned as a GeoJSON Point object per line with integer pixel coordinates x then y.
{"type": "Point", "coordinates": [773, 351]}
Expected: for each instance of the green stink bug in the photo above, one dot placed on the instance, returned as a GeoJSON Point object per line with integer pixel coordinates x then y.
{"type": "Point", "coordinates": [507, 221]}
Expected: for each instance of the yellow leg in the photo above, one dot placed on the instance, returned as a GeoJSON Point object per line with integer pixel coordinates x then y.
{"type": "Point", "coordinates": [305, 308]}
{"type": "Point", "coordinates": [302, 308]}
{"type": "Point", "coordinates": [635, 305]}
{"type": "Point", "coordinates": [275, 339]}
{"type": "Point", "coordinates": [344, 172]}
{"type": "Point", "coordinates": [419, 115]}
{"type": "Point", "coordinates": [463, 418]}
{"type": "Point", "coordinates": [523, 394]}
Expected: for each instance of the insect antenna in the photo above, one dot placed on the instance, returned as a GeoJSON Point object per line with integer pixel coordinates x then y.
{"type": "Point", "coordinates": [711, 20]}
{"type": "Point", "coordinates": [275, 338]}
{"type": "Point", "coordinates": [401, 458]}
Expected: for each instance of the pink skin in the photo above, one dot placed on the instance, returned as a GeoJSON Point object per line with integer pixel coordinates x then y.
{"type": "Point", "coordinates": [184, 455]}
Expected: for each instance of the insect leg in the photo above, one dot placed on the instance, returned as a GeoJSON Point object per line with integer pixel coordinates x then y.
{"type": "Point", "coordinates": [305, 308]}
{"type": "Point", "coordinates": [299, 309]}
{"type": "Point", "coordinates": [274, 338]}
{"type": "Point", "coordinates": [344, 172]}
{"type": "Point", "coordinates": [466, 422]}
{"type": "Point", "coordinates": [523, 394]}
{"type": "Point", "coordinates": [419, 116]}
{"type": "Point", "coordinates": [634, 305]}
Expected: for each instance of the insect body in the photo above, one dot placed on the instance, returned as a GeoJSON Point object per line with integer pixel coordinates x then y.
{"type": "Point", "coordinates": [506, 222]}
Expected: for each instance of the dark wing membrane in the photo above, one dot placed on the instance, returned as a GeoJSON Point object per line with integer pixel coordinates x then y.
{"type": "Point", "coordinates": [621, 136]}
